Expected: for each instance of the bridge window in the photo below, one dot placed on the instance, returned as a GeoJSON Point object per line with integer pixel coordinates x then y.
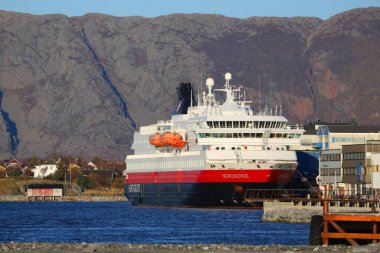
{"type": "Point", "coordinates": [216, 124]}
{"type": "Point", "coordinates": [229, 124]}
{"type": "Point", "coordinates": [236, 124]}
{"type": "Point", "coordinates": [222, 124]}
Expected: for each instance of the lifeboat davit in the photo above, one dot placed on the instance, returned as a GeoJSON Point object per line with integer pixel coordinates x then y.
{"type": "Point", "coordinates": [167, 139]}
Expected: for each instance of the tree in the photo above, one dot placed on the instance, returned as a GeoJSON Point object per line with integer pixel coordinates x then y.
{"type": "Point", "coordinates": [118, 183]}
{"type": "Point", "coordinates": [27, 173]}
{"type": "Point", "coordinates": [97, 180]}
{"type": "Point", "coordinates": [61, 172]}
{"type": "Point", "coordinates": [74, 173]}
{"type": "Point", "coordinates": [100, 162]}
{"type": "Point", "coordinates": [14, 172]}
{"type": "Point", "coordinates": [31, 162]}
{"type": "Point", "coordinates": [82, 181]}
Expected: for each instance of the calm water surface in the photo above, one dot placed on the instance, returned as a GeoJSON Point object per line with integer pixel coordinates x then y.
{"type": "Point", "coordinates": [119, 222]}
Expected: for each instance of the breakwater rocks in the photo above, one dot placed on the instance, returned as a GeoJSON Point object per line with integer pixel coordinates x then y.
{"type": "Point", "coordinates": [289, 212]}
{"type": "Point", "coordinates": [170, 248]}
{"type": "Point", "coordinates": [93, 198]}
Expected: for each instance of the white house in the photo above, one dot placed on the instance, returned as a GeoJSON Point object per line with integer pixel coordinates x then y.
{"type": "Point", "coordinates": [44, 170]}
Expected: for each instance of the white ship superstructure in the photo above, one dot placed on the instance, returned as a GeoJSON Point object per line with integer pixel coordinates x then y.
{"type": "Point", "coordinates": [211, 154]}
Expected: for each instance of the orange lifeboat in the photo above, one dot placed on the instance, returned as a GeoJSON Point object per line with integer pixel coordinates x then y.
{"type": "Point", "coordinates": [155, 140]}
{"type": "Point", "coordinates": [167, 139]}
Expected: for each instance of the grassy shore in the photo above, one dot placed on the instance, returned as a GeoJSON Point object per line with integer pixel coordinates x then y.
{"type": "Point", "coordinates": [12, 189]}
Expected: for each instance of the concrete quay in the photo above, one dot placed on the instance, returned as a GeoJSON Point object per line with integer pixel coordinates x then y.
{"type": "Point", "coordinates": [297, 213]}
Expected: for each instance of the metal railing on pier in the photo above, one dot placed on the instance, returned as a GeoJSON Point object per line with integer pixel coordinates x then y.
{"type": "Point", "coordinates": [261, 195]}
{"type": "Point", "coordinates": [311, 197]}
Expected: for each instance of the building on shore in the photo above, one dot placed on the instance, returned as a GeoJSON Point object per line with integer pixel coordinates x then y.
{"type": "Point", "coordinates": [326, 135]}
{"type": "Point", "coordinates": [331, 141]}
{"type": "Point", "coordinates": [349, 171]}
{"type": "Point", "coordinates": [42, 171]}
{"type": "Point", "coordinates": [330, 169]}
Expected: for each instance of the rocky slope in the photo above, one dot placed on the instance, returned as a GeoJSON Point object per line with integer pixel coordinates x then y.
{"type": "Point", "coordinates": [36, 247]}
{"type": "Point", "coordinates": [82, 85]}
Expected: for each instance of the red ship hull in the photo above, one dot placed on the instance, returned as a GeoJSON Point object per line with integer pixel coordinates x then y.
{"type": "Point", "coordinates": [201, 187]}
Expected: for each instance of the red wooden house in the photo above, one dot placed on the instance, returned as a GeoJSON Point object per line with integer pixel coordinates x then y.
{"type": "Point", "coordinates": [13, 163]}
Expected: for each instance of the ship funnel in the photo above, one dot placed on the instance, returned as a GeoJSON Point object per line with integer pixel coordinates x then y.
{"type": "Point", "coordinates": [186, 98]}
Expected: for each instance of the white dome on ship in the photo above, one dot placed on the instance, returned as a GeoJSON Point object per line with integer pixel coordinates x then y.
{"type": "Point", "coordinates": [210, 82]}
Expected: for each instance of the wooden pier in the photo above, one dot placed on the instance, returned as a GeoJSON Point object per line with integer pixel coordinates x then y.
{"type": "Point", "coordinates": [354, 228]}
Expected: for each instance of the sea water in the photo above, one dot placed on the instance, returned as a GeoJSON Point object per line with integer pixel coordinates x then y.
{"type": "Point", "coordinates": [106, 222]}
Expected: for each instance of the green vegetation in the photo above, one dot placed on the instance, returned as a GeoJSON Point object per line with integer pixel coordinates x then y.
{"type": "Point", "coordinates": [78, 176]}
{"type": "Point", "coordinates": [8, 186]}
{"type": "Point", "coordinates": [60, 174]}
{"type": "Point", "coordinates": [82, 181]}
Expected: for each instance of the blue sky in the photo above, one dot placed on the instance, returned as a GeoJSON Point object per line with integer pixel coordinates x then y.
{"type": "Point", "coordinates": [152, 8]}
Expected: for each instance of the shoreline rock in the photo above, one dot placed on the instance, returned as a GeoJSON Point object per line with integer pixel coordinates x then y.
{"type": "Point", "coordinates": [22, 198]}
{"type": "Point", "coordinates": [169, 248]}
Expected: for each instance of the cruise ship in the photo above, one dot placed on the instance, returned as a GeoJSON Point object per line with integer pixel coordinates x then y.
{"type": "Point", "coordinates": [210, 152]}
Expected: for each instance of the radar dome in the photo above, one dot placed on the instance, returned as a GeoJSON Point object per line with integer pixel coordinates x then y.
{"type": "Point", "coordinates": [228, 76]}
{"type": "Point", "coordinates": [210, 82]}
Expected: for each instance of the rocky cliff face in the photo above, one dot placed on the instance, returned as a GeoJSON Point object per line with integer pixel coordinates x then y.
{"type": "Point", "coordinates": [344, 57]}
{"type": "Point", "coordinates": [82, 85]}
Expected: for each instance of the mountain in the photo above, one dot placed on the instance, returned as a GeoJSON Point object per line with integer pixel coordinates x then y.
{"type": "Point", "coordinates": [82, 85]}
{"type": "Point", "coordinates": [344, 58]}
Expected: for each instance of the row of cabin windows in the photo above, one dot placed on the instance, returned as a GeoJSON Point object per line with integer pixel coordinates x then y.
{"type": "Point", "coordinates": [354, 156]}
{"type": "Point", "coordinates": [232, 148]}
{"type": "Point", "coordinates": [348, 139]}
{"type": "Point", "coordinates": [164, 128]}
{"type": "Point", "coordinates": [330, 172]}
{"type": "Point", "coordinates": [166, 165]}
{"type": "Point", "coordinates": [248, 135]}
{"type": "Point", "coordinates": [330, 157]}
{"type": "Point", "coordinates": [239, 148]}
{"type": "Point", "coordinates": [354, 171]}
{"type": "Point", "coordinates": [246, 124]}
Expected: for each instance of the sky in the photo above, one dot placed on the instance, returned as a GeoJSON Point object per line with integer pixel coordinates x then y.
{"type": "Point", "coordinates": [153, 8]}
